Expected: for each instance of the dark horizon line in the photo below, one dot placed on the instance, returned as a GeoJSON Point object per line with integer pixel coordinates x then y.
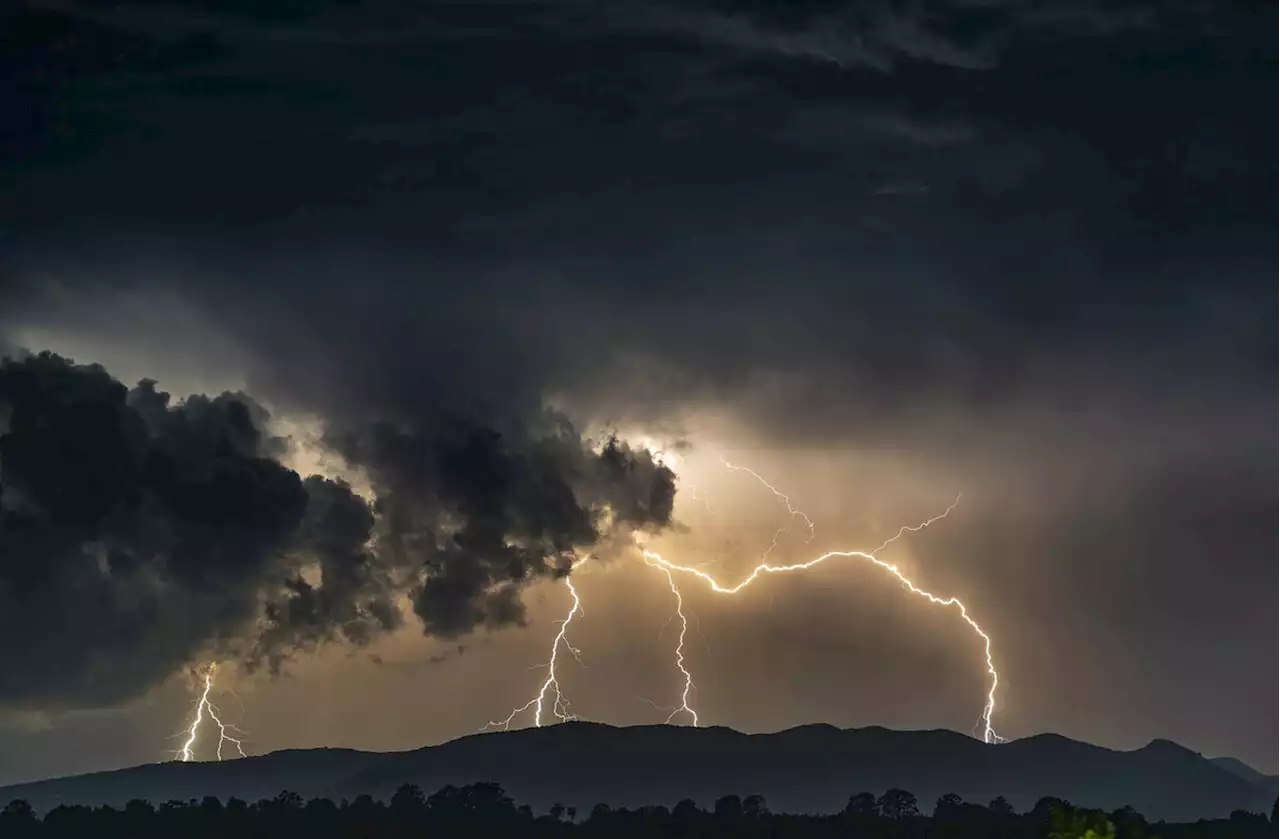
{"type": "Point", "coordinates": [593, 723]}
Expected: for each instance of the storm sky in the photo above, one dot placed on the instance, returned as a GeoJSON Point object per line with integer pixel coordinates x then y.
{"type": "Point", "coordinates": [404, 311]}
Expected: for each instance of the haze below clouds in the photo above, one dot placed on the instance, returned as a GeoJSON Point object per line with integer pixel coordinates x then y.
{"type": "Point", "coordinates": [880, 255]}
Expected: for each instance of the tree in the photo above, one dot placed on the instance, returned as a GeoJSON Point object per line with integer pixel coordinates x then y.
{"type": "Point", "coordinates": [288, 800]}
{"type": "Point", "coordinates": [1067, 822]}
{"type": "Point", "coordinates": [486, 796]}
{"type": "Point", "coordinates": [685, 809]}
{"type": "Point", "coordinates": [898, 804]}
{"type": "Point", "coordinates": [1129, 823]}
{"type": "Point", "coordinates": [948, 805]}
{"type": "Point", "coordinates": [1042, 814]}
{"type": "Point", "coordinates": [754, 807]}
{"type": "Point", "coordinates": [728, 808]}
{"type": "Point", "coordinates": [862, 805]}
{"type": "Point", "coordinates": [17, 813]}
{"type": "Point", "coordinates": [138, 808]}
{"type": "Point", "coordinates": [1001, 806]}
{"type": "Point", "coordinates": [557, 811]}
{"type": "Point", "coordinates": [1245, 823]}
{"type": "Point", "coordinates": [18, 820]}
{"type": "Point", "coordinates": [408, 801]}
{"type": "Point", "coordinates": [364, 809]}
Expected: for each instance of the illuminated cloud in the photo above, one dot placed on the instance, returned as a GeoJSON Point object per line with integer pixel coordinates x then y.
{"type": "Point", "coordinates": [140, 534]}
{"type": "Point", "coordinates": [1021, 250]}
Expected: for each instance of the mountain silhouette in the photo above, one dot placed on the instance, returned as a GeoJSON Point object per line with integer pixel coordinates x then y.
{"type": "Point", "coordinates": [1243, 770]}
{"type": "Point", "coordinates": [813, 768]}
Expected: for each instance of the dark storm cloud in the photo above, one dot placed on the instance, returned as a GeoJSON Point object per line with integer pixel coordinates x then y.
{"type": "Point", "coordinates": [355, 599]}
{"type": "Point", "coordinates": [657, 202]}
{"type": "Point", "coordinates": [1031, 241]}
{"type": "Point", "coordinates": [134, 533]}
{"type": "Point", "coordinates": [137, 534]}
{"type": "Point", "coordinates": [461, 197]}
{"type": "Point", "coordinates": [492, 512]}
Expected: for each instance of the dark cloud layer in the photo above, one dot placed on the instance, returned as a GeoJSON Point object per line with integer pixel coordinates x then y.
{"type": "Point", "coordinates": [137, 535]}
{"type": "Point", "coordinates": [133, 532]}
{"type": "Point", "coordinates": [495, 511]}
{"type": "Point", "coordinates": [1030, 243]}
{"type": "Point", "coordinates": [547, 195]}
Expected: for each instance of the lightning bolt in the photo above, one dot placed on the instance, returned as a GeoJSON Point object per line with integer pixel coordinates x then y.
{"type": "Point", "coordinates": [793, 513]}
{"type": "Point", "coordinates": [560, 707]}
{"type": "Point", "coordinates": [684, 706]}
{"type": "Point", "coordinates": [204, 705]}
{"type": "Point", "coordinates": [765, 567]}
{"type": "Point", "coordinates": [988, 732]}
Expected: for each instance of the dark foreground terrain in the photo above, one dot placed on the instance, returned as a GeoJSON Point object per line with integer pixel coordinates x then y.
{"type": "Point", "coordinates": [485, 811]}
{"type": "Point", "coordinates": [811, 769]}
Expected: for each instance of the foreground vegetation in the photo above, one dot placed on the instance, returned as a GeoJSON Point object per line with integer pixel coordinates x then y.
{"type": "Point", "coordinates": [484, 811]}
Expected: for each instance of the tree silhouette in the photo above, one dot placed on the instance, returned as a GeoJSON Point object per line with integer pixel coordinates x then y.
{"type": "Point", "coordinates": [897, 804]}
{"type": "Point", "coordinates": [1067, 822]}
{"type": "Point", "coordinates": [948, 805]}
{"type": "Point", "coordinates": [408, 805]}
{"type": "Point", "coordinates": [685, 810]}
{"type": "Point", "coordinates": [485, 811]}
{"type": "Point", "coordinates": [754, 807]}
{"type": "Point", "coordinates": [1001, 806]}
{"type": "Point", "coordinates": [18, 820]}
{"type": "Point", "coordinates": [728, 808]}
{"type": "Point", "coordinates": [863, 805]}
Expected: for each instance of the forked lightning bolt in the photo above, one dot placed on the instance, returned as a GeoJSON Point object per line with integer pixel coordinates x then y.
{"type": "Point", "coordinates": [684, 706]}
{"type": "Point", "coordinates": [792, 512]}
{"type": "Point", "coordinates": [560, 707]}
{"type": "Point", "coordinates": [988, 732]}
{"type": "Point", "coordinates": [204, 705]}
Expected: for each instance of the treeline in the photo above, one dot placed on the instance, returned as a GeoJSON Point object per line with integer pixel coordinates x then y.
{"type": "Point", "coordinates": [485, 811]}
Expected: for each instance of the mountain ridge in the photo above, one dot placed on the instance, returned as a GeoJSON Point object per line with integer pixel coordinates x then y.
{"type": "Point", "coordinates": [808, 768]}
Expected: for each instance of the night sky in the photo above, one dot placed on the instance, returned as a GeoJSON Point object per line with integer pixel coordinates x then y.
{"type": "Point", "coordinates": [403, 310]}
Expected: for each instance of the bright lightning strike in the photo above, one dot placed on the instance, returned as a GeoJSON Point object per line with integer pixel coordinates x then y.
{"type": "Point", "coordinates": [684, 706]}
{"type": "Point", "coordinates": [988, 732]}
{"type": "Point", "coordinates": [204, 705]}
{"type": "Point", "coordinates": [560, 707]}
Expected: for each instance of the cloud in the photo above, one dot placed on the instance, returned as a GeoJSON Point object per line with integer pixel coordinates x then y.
{"type": "Point", "coordinates": [685, 215]}
{"type": "Point", "coordinates": [824, 41]}
{"type": "Point", "coordinates": [489, 512]}
{"type": "Point", "coordinates": [842, 35]}
{"type": "Point", "coordinates": [138, 534]}
{"type": "Point", "coordinates": [134, 533]}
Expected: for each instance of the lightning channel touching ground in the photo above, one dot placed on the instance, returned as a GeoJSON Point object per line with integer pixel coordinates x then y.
{"type": "Point", "coordinates": [560, 708]}
{"type": "Point", "coordinates": [988, 732]}
{"type": "Point", "coordinates": [204, 705]}
{"type": "Point", "coordinates": [684, 706]}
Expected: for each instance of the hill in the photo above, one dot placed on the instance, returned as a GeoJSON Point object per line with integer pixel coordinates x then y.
{"type": "Point", "coordinates": [807, 769]}
{"type": "Point", "coordinates": [1243, 770]}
